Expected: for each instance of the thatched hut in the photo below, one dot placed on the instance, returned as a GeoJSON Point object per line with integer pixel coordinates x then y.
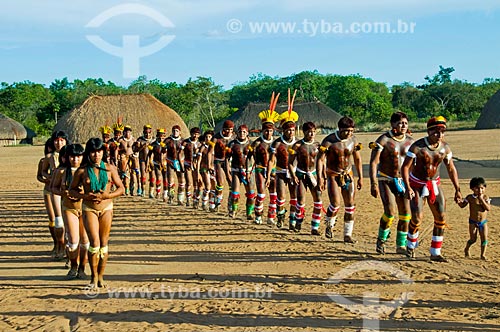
{"type": "Point", "coordinates": [136, 110]}
{"type": "Point", "coordinates": [323, 116]}
{"type": "Point", "coordinates": [490, 116]}
{"type": "Point", "coordinates": [12, 132]}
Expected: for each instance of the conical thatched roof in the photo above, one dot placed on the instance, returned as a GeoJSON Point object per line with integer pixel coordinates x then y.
{"type": "Point", "coordinates": [136, 110]}
{"type": "Point", "coordinates": [323, 116]}
{"type": "Point", "coordinates": [490, 116]}
{"type": "Point", "coordinates": [11, 129]}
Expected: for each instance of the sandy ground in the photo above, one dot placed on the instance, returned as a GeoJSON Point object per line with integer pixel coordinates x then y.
{"type": "Point", "coordinates": [173, 268]}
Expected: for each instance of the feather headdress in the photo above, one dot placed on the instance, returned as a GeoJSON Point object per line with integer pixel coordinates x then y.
{"type": "Point", "coordinates": [270, 115]}
{"type": "Point", "coordinates": [119, 126]}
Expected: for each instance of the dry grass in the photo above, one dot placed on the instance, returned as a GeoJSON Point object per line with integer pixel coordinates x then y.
{"type": "Point", "coordinates": [136, 110]}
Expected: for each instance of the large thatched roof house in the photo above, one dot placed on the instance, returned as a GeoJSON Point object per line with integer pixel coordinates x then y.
{"type": "Point", "coordinates": [136, 110]}
{"type": "Point", "coordinates": [12, 132]}
{"type": "Point", "coordinates": [323, 116]}
{"type": "Point", "coordinates": [490, 116]}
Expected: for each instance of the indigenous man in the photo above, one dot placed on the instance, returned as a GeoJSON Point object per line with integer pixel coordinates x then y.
{"type": "Point", "coordinates": [174, 166]}
{"type": "Point", "coordinates": [188, 152]}
{"type": "Point", "coordinates": [125, 159]}
{"type": "Point", "coordinates": [335, 166]}
{"type": "Point", "coordinates": [106, 132]}
{"type": "Point", "coordinates": [259, 151]}
{"type": "Point", "coordinates": [141, 147]}
{"type": "Point", "coordinates": [114, 143]}
{"type": "Point", "coordinates": [156, 157]}
{"type": "Point", "coordinates": [240, 174]}
{"type": "Point", "coordinates": [279, 160]}
{"type": "Point", "coordinates": [305, 176]}
{"type": "Point", "coordinates": [207, 179]}
{"type": "Point", "coordinates": [388, 154]}
{"type": "Point", "coordinates": [421, 178]}
{"type": "Point", "coordinates": [217, 161]}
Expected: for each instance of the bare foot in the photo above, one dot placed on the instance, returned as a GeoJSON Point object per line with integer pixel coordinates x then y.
{"type": "Point", "coordinates": [484, 258]}
{"type": "Point", "coordinates": [466, 251]}
{"type": "Point", "coordinates": [101, 283]}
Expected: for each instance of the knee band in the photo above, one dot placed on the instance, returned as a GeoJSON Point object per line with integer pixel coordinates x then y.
{"type": "Point", "coordinates": [250, 194]}
{"type": "Point", "coordinates": [52, 223]}
{"type": "Point", "coordinates": [439, 224]}
{"type": "Point", "coordinates": [137, 171]}
{"type": "Point", "coordinates": [93, 250]}
{"type": "Point", "coordinates": [261, 198]}
{"type": "Point", "coordinates": [59, 223]}
{"type": "Point", "coordinates": [72, 246]}
{"type": "Point", "coordinates": [85, 246]}
{"type": "Point", "coordinates": [484, 243]}
{"type": "Point", "coordinates": [405, 217]}
{"type": "Point", "coordinates": [333, 209]}
{"type": "Point", "coordinates": [350, 209]}
{"type": "Point", "coordinates": [235, 195]}
{"type": "Point", "coordinates": [219, 188]}
{"type": "Point", "coordinates": [293, 202]}
{"type": "Point", "coordinates": [103, 251]}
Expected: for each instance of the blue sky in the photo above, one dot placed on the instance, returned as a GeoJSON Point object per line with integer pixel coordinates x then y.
{"type": "Point", "coordinates": [45, 40]}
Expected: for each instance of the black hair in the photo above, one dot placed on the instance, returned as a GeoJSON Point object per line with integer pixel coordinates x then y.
{"type": "Point", "coordinates": [71, 150]}
{"type": "Point", "coordinates": [308, 126]}
{"type": "Point", "coordinates": [476, 182]}
{"type": "Point", "coordinates": [60, 134]}
{"type": "Point", "coordinates": [62, 155]}
{"type": "Point", "coordinates": [49, 146]}
{"type": "Point", "coordinates": [398, 116]}
{"type": "Point", "coordinates": [92, 145]}
{"type": "Point", "coordinates": [346, 122]}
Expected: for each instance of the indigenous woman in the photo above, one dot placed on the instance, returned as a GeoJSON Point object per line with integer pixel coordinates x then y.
{"type": "Point", "coordinates": [95, 178]}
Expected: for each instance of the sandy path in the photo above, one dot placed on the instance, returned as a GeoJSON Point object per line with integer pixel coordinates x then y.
{"type": "Point", "coordinates": [201, 271]}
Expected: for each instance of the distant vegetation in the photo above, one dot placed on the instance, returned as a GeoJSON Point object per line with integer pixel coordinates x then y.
{"type": "Point", "coordinates": [202, 101]}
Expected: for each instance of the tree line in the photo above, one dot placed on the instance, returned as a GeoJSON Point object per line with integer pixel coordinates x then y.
{"type": "Point", "coordinates": [202, 102]}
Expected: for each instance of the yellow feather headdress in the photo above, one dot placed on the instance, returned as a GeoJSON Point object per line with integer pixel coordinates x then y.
{"type": "Point", "coordinates": [119, 124]}
{"type": "Point", "coordinates": [270, 115]}
{"type": "Point", "coordinates": [106, 130]}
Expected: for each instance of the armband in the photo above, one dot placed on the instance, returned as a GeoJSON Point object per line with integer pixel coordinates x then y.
{"type": "Point", "coordinates": [150, 147]}
{"type": "Point", "coordinates": [375, 146]}
{"type": "Point", "coordinates": [291, 151]}
{"type": "Point", "coordinates": [410, 154]}
{"type": "Point", "coordinates": [250, 149]}
{"type": "Point", "coordinates": [182, 147]}
{"type": "Point", "coordinates": [323, 148]}
{"type": "Point", "coordinates": [211, 143]}
{"type": "Point", "coordinates": [272, 150]}
{"type": "Point", "coordinates": [449, 156]}
{"type": "Point", "coordinates": [358, 147]}
{"type": "Point", "coordinates": [162, 144]}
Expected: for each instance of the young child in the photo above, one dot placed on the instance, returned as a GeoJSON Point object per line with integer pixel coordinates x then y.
{"type": "Point", "coordinates": [479, 205]}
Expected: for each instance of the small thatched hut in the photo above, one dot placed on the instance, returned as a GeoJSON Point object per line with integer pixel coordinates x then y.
{"type": "Point", "coordinates": [323, 116]}
{"type": "Point", "coordinates": [490, 116]}
{"type": "Point", "coordinates": [136, 110]}
{"type": "Point", "coordinates": [12, 132]}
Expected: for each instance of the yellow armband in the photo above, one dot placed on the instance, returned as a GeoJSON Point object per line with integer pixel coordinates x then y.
{"type": "Point", "coordinates": [250, 149]}
{"type": "Point", "coordinates": [211, 143]}
{"type": "Point", "coordinates": [358, 147]}
{"type": "Point", "coordinates": [150, 147]}
{"type": "Point", "coordinates": [323, 148]}
{"type": "Point", "coordinates": [291, 151]}
{"type": "Point", "coordinates": [162, 145]}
